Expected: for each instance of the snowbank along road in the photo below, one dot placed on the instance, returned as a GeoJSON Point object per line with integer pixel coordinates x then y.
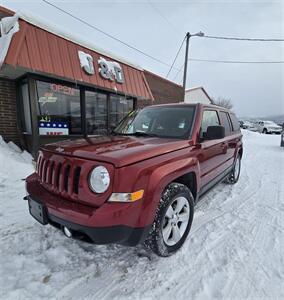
{"type": "Point", "coordinates": [235, 249]}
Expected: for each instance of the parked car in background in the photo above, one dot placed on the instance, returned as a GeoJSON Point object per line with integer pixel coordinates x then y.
{"type": "Point", "coordinates": [241, 123]}
{"type": "Point", "coordinates": [250, 126]}
{"type": "Point", "coordinates": [268, 127]}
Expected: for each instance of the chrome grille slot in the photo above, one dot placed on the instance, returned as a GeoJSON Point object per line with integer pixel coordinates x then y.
{"type": "Point", "coordinates": [43, 175]}
{"type": "Point", "coordinates": [40, 168]}
{"type": "Point", "coordinates": [76, 180]}
{"type": "Point", "coordinates": [66, 176]}
{"type": "Point", "coordinates": [50, 172]}
{"type": "Point", "coordinates": [57, 176]}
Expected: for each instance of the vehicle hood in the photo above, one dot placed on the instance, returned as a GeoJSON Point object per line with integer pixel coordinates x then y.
{"type": "Point", "coordinates": [118, 150]}
{"type": "Point", "coordinates": [274, 126]}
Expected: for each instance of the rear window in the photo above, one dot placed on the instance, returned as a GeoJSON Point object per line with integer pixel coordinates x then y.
{"type": "Point", "coordinates": [235, 122]}
{"type": "Point", "coordinates": [225, 121]}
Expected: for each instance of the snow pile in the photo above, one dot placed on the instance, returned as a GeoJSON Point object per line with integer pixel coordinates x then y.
{"type": "Point", "coordinates": [15, 165]}
{"type": "Point", "coordinates": [235, 249]}
{"type": "Point", "coordinates": [12, 158]}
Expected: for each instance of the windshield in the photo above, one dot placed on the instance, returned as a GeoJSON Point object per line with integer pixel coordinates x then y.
{"type": "Point", "coordinates": [167, 122]}
{"type": "Point", "coordinates": [270, 123]}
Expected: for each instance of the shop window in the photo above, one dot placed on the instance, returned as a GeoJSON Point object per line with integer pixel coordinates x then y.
{"type": "Point", "coordinates": [96, 113]}
{"type": "Point", "coordinates": [59, 110]}
{"type": "Point", "coordinates": [119, 107]}
{"type": "Point", "coordinates": [27, 126]}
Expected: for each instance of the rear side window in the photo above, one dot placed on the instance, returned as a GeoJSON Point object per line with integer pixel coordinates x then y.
{"type": "Point", "coordinates": [225, 121]}
{"type": "Point", "coordinates": [235, 122]}
{"type": "Point", "coordinates": [209, 118]}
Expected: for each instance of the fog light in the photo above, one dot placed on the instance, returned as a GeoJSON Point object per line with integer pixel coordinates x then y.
{"type": "Point", "coordinates": [67, 232]}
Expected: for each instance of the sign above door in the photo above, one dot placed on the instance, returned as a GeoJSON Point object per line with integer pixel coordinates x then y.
{"type": "Point", "coordinates": [110, 70]}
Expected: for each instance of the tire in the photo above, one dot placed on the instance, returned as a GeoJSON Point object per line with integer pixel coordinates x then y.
{"type": "Point", "coordinates": [264, 131]}
{"type": "Point", "coordinates": [235, 173]}
{"type": "Point", "coordinates": [163, 238]}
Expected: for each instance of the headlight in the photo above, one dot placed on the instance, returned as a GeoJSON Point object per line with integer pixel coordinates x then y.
{"type": "Point", "coordinates": [99, 180]}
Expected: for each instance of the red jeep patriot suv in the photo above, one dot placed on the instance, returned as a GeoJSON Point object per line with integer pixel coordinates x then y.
{"type": "Point", "coordinates": [139, 184]}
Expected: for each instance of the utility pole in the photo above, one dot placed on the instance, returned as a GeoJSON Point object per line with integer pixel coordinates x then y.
{"type": "Point", "coordinates": [186, 60]}
{"type": "Point", "coordinates": [188, 36]}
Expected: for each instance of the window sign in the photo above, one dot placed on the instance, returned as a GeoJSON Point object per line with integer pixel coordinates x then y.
{"type": "Point", "coordinates": [67, 90]}
{"type": "Point", "coordinates": [47, 98]}
{"type": "Point", "coordinates": [53, 128]}
{"type": "Point", "coordinates": [59, 110]}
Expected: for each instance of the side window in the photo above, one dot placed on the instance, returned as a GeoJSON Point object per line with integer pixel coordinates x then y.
{"type": "Point", "coordinates": [224, 117]}
{"type": "Point", "coordinates": [209, 118]}
{"type": "Point", "coordinates": [235, 122]}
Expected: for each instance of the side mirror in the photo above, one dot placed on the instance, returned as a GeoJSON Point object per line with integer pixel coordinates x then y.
{"type": "Point", "coordinates": [215, 132]}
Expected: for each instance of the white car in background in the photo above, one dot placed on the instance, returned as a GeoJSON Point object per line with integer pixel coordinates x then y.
{"type": "Point", "coordinates": [268, 127]}
{"type": "Point", "coordinates": [249, 126]}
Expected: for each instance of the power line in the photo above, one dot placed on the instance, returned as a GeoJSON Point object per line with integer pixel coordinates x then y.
{"type": "Point", "coordinates": [163, 16]}
{"type": "Point", "coordinates": [236, 61]}
{"type": "Point", "coordinates": [176, 57]}
{"type": "Point", "coordinates": [107, 34]}
{"type": "Point", "coordinates": [242, 39]}
{"type": "Point", "coordinates": [178, 72]}
{"type": "Point", "coordinates": [227, 62]}
{"type": "Point", "coordinates": [160, 61]}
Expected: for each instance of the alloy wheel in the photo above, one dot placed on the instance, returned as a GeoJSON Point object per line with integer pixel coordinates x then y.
{"type": "Point", "coordinates": [175, 221]}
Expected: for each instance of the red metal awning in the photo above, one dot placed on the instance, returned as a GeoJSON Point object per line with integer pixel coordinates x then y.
{"type": "Point", "coordinates": [38, 50]}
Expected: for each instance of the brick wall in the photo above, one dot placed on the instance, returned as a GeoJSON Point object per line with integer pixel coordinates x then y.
{"type": "Point", "coordinates": [8, 113]}
{"type": "Point", "coordinates": [163, 90]}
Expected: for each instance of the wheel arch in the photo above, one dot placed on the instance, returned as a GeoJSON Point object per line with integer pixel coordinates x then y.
{"type": "Point", "coordinates": [189, 180]}
{"type": "Point", "coordinates": [184, 171]}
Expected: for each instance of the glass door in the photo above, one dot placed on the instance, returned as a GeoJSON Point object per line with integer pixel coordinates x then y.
{"type": "Point", "coordinates": [96, 113]}
{"type": "Point", "coordinates": [120, 106]}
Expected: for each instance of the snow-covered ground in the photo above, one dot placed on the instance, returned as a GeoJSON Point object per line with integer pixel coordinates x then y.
{"type": "Point", "coordinates": [235, 249]}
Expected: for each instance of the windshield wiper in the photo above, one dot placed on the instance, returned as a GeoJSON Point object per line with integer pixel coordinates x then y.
{"type": "Point", "coordinates": [142, 133]}
{"type": "Point", "coordinates": [137, 133]}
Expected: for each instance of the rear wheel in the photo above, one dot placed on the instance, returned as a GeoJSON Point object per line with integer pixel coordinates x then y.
{"type": "Point", "coordinates": [235, 173]}
{"type": "Point", "coordinates": [173, 220]}
{"type": "Point", "coordinates": [264, 131]}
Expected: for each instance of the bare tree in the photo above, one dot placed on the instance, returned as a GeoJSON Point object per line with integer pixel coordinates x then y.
{"type": "Point", "coordinates": [227, 103]}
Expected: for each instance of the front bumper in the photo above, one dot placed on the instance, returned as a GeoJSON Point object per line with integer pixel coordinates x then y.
{"type": "Point", "coordinates": [270, 130]}
{"type": "Point", "coordinates": [119, 234]}
{"type": "Point", "coordinates": [109, 223]}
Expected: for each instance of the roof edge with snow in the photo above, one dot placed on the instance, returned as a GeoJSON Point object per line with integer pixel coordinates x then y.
{"type": "Point", "coordinates": [56, 30]}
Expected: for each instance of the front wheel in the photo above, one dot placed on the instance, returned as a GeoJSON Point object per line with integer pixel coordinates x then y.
{"type": "Point", "coordinates": [235, 173]}
{"type": "Point", "coordinates": [173, 220]}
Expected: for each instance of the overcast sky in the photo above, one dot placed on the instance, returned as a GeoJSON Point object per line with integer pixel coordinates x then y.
{"type": "Point", "coordinates": [158, 27]}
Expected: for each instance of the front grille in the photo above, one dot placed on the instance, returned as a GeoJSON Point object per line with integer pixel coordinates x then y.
{"type": "Point", "coordinates": [59, 177]}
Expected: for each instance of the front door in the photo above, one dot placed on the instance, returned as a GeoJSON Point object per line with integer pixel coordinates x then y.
{"type": "Point", "coordinates": [212, 158]}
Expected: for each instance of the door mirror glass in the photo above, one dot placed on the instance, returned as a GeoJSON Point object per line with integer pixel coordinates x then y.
{"type": "Point", "coordinates": [215, 132]}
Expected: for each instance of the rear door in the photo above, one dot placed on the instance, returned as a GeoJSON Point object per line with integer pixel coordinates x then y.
{"type": "Point", "coordinates": [228, 140]}
{"type": "Point", "coordinates": [211, 157]}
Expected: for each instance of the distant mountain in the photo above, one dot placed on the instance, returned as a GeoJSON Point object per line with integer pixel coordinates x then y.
{"type": "Point", "coordinates": [279, 119]}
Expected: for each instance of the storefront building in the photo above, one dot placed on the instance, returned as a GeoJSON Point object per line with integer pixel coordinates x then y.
{"type": "Point", "coordinates": [53, 86]}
